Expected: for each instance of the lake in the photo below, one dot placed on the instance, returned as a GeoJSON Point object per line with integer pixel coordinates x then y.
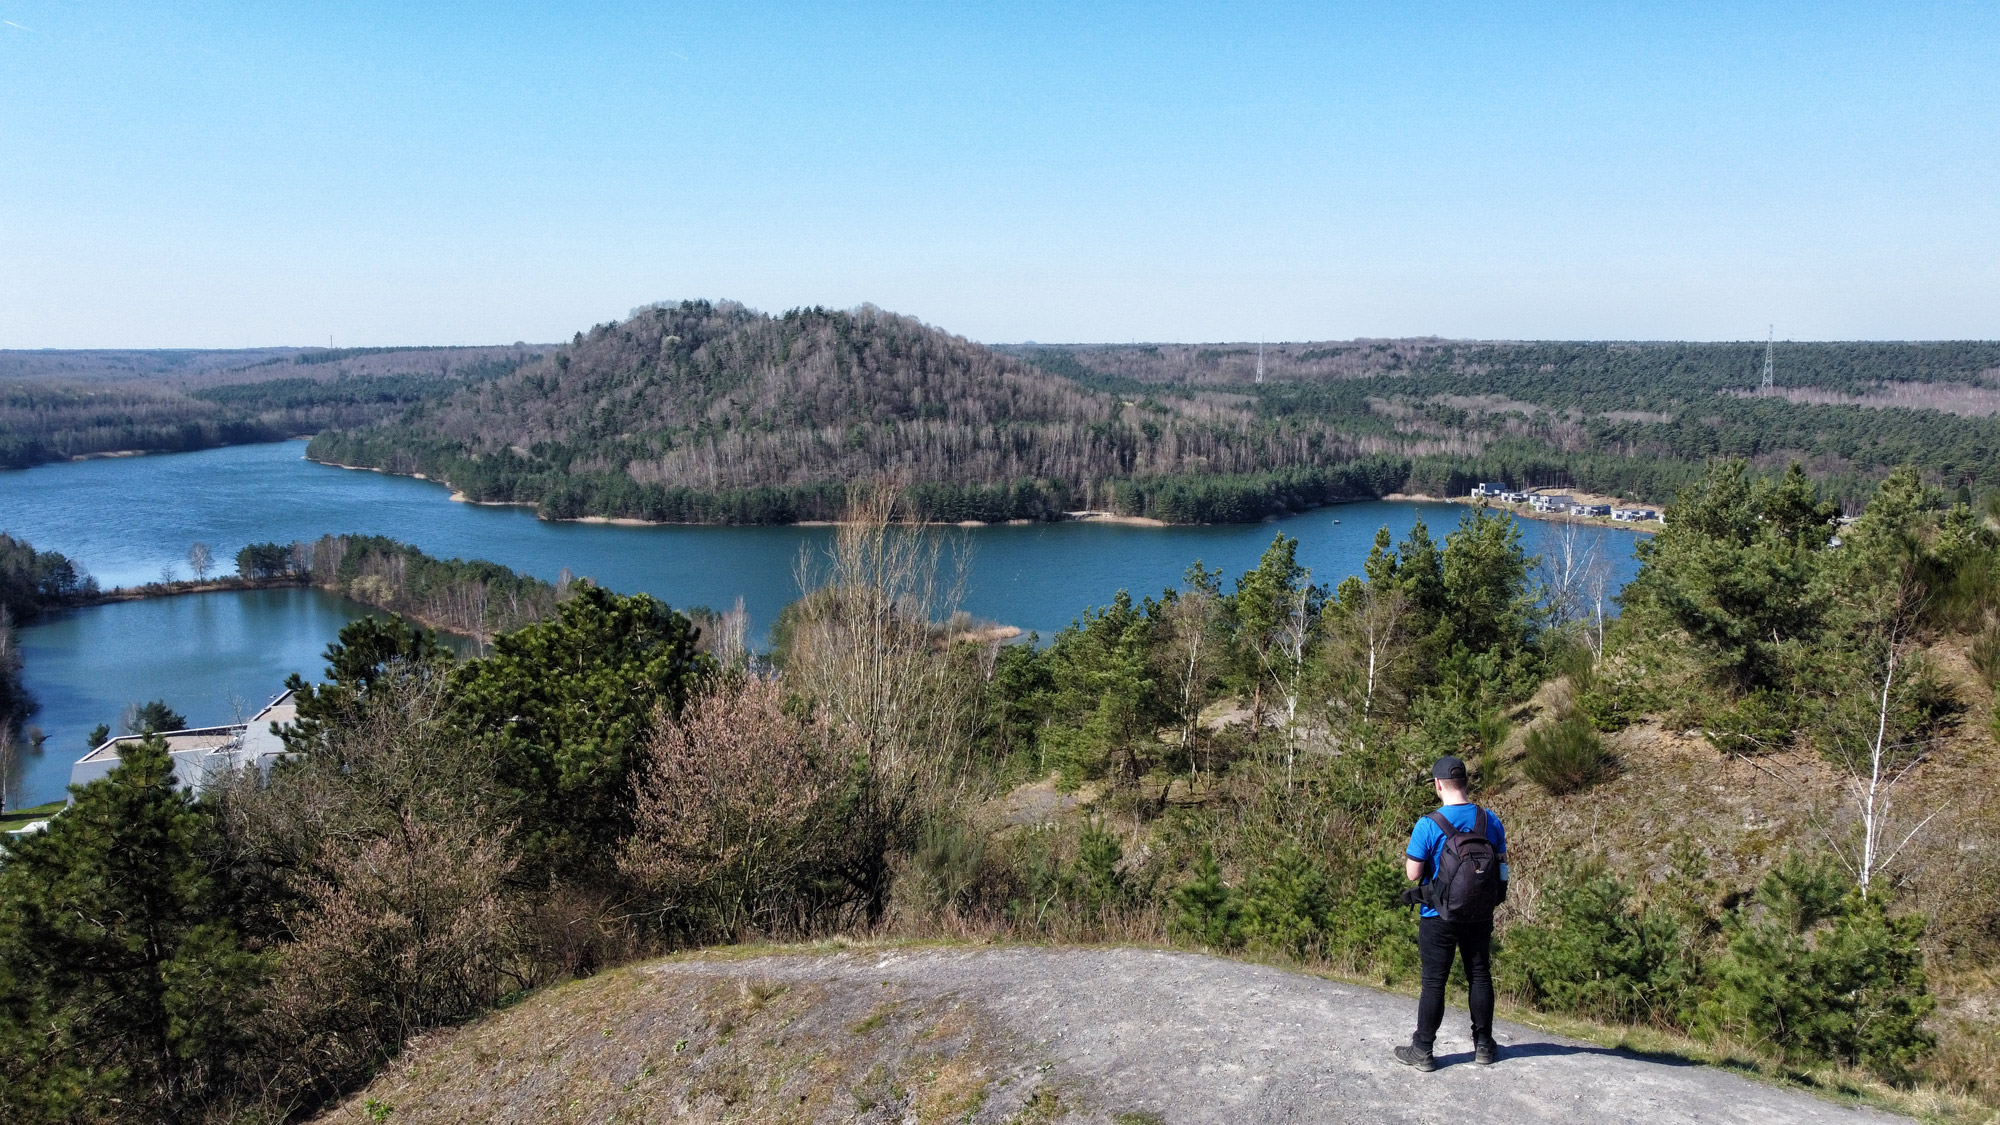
{"type": "Point", "coordinates": [215, 656]}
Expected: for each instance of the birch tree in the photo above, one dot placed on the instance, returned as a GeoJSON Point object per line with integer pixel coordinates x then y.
{"type": "Point", "coordinates": [1192, 654]}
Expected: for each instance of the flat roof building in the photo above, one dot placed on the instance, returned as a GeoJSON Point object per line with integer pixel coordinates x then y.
{"type": "Point", "coordinates": [200, 754]}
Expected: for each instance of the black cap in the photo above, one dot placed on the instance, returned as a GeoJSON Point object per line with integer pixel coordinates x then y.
{"type": "Point", "coordinates": [1449, 768]}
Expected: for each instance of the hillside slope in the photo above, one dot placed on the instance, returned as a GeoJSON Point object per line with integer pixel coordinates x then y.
{"type": "Point", "coordinates": [713, 412]}
{"type": "Point", "coordinates": [1018, 1035]}
{"type": "Point", "coordinates": [56, 405]}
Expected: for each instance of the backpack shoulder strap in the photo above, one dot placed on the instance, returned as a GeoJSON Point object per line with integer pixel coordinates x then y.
{"type": "Point", "coordinates": [1479, 825]}
{"type": "Point", "coordinates": [1452, 832]}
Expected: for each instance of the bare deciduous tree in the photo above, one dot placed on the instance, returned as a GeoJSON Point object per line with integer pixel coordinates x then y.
{"type": "Point", "coordinates": [200, 560]}
{"type": "Point", "coordinates": [1375, 617]}
{"type": "Point", "coordinates": [733, 817]}
{"type": "Point", "coordinates": [1874, 744]}
{"type": "Point", "coordinates": [725, 635]}
{"type": "Point", "coordinates": [1565, 561]}
{"type": "Point", "coordinates": [1285, 662]}
{"type": "Point", "coordinates": [1191, 655]}
{"type": "Point", "coordinates": [394, 841]}
{"type": "Point", "coordinates": [868, 648]}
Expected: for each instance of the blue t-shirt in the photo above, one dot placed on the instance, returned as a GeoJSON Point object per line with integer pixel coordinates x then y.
{"type": "Point", "coordinates": [1427, 839]}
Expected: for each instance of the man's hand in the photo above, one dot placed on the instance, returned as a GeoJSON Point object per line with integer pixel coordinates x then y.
{"type": "Point", "coordinates": [1411, 896]}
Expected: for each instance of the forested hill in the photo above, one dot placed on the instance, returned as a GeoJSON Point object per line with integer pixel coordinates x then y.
{"type": "Point", "coordinates": [715, 413]}
{"type": "Point", "coordinates": [1637, 418]}
{"type": "Point", "coordinates": [701, 412]}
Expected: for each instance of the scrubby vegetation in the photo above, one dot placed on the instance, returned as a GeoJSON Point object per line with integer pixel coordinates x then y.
{"type": "Point", "coordinates": [1751, 809]}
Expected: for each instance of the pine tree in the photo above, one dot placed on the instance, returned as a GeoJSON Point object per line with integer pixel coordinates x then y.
{"type": "Point", "coordinates": [124, 988]}
{"type": "Point", "coordinates": [562, 704]}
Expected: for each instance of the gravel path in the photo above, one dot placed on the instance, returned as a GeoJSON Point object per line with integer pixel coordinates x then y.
{"type": "Point", "coordinates": [1190, 1039]}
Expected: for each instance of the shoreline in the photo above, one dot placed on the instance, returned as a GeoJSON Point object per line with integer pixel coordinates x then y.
{"type": "Point", "coordinates": [116, 454]}
{"type": "Point", "coordinates": [238, 585]}
{"type": "Point", "coordinates": [459, 497]}
{"type": "Point", "coordinates": [1527, 513]}
{"type": "Point", "coordinates": [180, 587]}
{"type": "Point", "coordinates": [1082, 515]}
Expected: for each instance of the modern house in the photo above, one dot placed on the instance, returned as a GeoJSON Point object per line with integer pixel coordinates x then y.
{"type": "Point", "coordinates": [1496, 491]}
{"type": "Point", "coordinates": [1633, 515]}
{"type": "Point", "coordinates": [1590, 509]}
{"type": "Point", "coordinates": [202, 753]}
{"type": "Point", "coordinates": [1550, 503]}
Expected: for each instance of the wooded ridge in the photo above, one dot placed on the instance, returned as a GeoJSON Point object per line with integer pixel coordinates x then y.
{"type": "Point", "coordinates": [715, 413]}
{"type": "Point", "coordinates": [59, 405]}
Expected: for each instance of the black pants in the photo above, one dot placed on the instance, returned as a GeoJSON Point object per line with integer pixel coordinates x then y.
{"type": "Point", "coordinates": [1438, 939]}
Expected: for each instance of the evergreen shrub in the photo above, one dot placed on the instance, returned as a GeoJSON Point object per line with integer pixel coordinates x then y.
{"type": "Point", "coordinates": [1287, 905]}
{"type": "Point", "coordinates": [1206, 910]}
{"type": "Point", "coordinates": [1817, 973]}
{"type": "Point", "coordinates": [1594, 952]}
{"type": "Point", "coordinates": [1566, 756]}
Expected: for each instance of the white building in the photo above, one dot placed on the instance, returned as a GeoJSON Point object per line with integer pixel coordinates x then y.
{"type": "Point", "coordinates": [1633, 515]}
{"type": "Point", "coordinates": [1487, 489]}
{"type": "Point", "coordinates": [1550, 503]}
{"type": "Point", "coordinates": [202, 753]}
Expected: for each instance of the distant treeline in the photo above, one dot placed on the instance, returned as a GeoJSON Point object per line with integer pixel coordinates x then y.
{"type": "Point", "coordinates": [1588, 375]}
{"type": "Point", "coordinates": [1638, 418]}
{"type": "Point", "coordinates": [475, 599]}
{"type": "Point", "coordinates": [56, 420]}
{"type": "Point", "coordinates": [1849, 447]}
{"type": "Point", "coordinates": [1187, 498]}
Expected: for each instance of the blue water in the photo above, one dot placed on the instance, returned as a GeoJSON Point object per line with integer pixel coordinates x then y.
{"type": "Point", "coordinates": [126, 519]}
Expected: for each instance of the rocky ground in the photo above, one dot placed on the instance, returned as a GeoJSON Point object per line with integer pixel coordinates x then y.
{"type": "Point", "coordinates": [1019, 1034]}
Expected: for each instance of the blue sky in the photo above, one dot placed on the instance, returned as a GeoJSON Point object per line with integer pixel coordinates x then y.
{"type": "Point", "coordinates": [219, 174]}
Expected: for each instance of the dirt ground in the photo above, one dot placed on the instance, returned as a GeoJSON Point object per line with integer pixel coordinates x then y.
{"type": "Point", "coordinates": [1022, 1035]}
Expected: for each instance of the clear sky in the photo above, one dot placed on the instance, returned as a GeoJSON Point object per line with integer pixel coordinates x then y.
{"type": "Point", "coordinates": [206, 174]}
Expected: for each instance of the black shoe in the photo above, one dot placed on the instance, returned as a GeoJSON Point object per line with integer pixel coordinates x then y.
{"type": "Point", "coordinates": [1417, 1057]}
{"type": "Point", "coordinates": [1485, 1052]}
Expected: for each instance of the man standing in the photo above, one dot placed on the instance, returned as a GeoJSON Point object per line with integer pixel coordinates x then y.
{"type": "Point", "coordinates": [1456, 856]}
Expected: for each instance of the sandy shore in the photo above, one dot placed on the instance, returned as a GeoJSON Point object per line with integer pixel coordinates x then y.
{"type": "Point", "coordinates": [991, 634]}
{"type": "Point", "coordinates": [1113, 517]}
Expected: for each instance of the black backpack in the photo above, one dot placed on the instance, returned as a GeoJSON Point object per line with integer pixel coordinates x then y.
{"type": "Point", "coordinates": [1467, 886]}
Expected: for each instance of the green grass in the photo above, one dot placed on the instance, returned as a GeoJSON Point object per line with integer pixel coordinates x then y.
{"type": "Point", "coordinates": [17, 818]}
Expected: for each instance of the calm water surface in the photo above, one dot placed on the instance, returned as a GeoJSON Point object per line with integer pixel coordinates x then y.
{"type": "Point", "coordinates": [211, 655]}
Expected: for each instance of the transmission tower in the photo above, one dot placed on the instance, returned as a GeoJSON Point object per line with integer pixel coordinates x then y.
{"type": "Point", "coordinates": [1260, 359]}
{"type": "Point", "coordinates": [1769, 337]}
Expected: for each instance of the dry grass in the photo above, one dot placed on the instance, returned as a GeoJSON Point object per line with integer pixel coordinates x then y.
{"type": "Point", "coordinates": [637, 1045]}
{"type": "Point", "coordinates": [1675, 791]}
